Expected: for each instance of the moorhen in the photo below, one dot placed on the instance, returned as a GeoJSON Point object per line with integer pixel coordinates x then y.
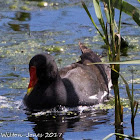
{"type": "Point", "coordinates": [74, 85]}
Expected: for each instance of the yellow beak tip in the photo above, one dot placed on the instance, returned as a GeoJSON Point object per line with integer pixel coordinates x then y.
{"type": "Point", "coordinates": [29, 90]}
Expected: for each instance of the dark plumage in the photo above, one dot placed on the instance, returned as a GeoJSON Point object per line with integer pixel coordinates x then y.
{"type": "Point", "coordinates": [76, 84]}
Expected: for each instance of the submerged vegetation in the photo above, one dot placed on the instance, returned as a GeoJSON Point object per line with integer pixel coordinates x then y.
{"type": "Point", "coordinates": [111, 35]}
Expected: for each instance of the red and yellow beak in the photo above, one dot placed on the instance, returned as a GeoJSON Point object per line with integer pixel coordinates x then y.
{"type": "Point", "coordinates": [33, 79]}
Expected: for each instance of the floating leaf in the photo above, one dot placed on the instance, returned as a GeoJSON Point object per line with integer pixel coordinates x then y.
{"type": "Point", "coordinates": [42, 4]}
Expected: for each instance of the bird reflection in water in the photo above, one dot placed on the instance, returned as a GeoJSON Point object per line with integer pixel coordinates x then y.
{"type": "Point", "coordinates": [53, 126]}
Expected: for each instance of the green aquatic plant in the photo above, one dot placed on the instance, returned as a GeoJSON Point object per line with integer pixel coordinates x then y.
{"type": "Point", "coordinates": [121, 136]}
{"type": "Point", "coordinates": [133, 103]}
{"type": "Point", "coordinates": [42, 4]}
{"type": "Point", "coordinates": [110, 33]}
{"type": "Point", "coordinates": [24, 8]}
{"type": "Point", "coordinates": [111, 37]}
{"type": "Point", "coordinates": [126, 8]}
{"type": "Point", "coordinates": [13, 6]}
{"type": "Point", "coordinates": [55, 49]}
